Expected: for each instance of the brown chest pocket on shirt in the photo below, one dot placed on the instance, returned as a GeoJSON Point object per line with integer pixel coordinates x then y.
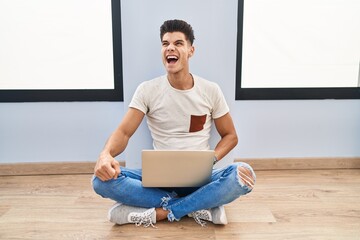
{"type": "Point", "coordinates": [197, 123]}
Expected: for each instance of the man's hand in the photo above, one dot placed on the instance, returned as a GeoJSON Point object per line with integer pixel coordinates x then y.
{"type": "Point", "coordinates": [107, 167]}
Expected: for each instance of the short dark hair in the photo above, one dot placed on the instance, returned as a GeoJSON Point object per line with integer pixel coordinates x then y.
{"type": "Point", "coordinates": [177, 26]}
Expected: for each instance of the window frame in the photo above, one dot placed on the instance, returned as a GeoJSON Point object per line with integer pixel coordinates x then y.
{"type": "Point", "coordinates": [282, 93]}
{"type": "Point", "coordinates": [50, 95]}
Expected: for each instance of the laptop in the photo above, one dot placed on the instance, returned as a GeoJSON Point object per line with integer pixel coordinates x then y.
{"type": "Point", "coordinates": [176, 168]}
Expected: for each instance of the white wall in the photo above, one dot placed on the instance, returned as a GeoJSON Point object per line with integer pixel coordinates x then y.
{"type": "Point", "coordinates": [51, 132]}
{"type": "Point", "coordinates": [312, 128]}
{"type": "Point", "coordinates": [56, 132]}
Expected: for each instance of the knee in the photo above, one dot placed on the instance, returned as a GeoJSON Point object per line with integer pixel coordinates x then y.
{"type": "Point", "coordinates": [97, 185]}
{"type": "Point", "coordinates": [246, 175]}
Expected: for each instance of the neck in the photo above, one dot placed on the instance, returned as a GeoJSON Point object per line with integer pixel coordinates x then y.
{"type": "Point", "coordinates": [180, 81]}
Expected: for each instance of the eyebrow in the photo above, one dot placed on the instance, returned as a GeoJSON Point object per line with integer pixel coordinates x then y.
{"type": "Point", "coordinates": [179, 40]}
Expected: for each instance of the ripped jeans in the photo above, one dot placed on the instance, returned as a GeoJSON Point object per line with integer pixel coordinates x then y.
{"type": "Point", "coordinates": [226, 185]}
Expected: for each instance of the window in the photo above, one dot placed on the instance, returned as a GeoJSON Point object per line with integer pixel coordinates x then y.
{"type": "Point", "coordinates": [60, 51]}
{"type": "Point", "coordinates": [298, 49]}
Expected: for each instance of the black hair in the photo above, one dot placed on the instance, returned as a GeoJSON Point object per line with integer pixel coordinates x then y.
{"type": "Point", "coordinates": [177, 26]}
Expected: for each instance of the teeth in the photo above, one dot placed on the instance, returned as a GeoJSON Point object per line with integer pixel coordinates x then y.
{"type": "Point", "coordinates": [172, 57]}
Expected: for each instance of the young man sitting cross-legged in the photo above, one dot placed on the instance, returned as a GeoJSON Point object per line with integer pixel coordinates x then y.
{"type": "Point", "coordinates": [180, 109]}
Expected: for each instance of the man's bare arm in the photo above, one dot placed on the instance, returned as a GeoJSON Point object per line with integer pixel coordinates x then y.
{"type": "Point", "coordinates": [106, 166]}
{"type": "Point", "coordinates": [225, 127]}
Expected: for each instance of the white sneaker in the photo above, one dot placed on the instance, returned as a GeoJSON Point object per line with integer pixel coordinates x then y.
{"type": "Point", "coordinates": [123, 214]}
{"type": "Point", "coordinates": [216, 215]}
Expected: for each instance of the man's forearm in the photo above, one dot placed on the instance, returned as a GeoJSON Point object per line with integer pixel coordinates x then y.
{"type": "Point", "coordinates": [119, 139]}
{"type": "Point", "coordinates": [225, 145]}
{"type": "Point", "coordinates": [115, 145]}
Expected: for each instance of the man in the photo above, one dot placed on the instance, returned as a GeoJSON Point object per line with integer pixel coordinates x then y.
{"type": "Point", "coordinates": [180, 108]}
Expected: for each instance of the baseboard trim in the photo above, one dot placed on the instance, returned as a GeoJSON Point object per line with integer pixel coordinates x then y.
{"type": "Point", "coordinates": [55, 168]}
{"type": "Point", "coordinates": [302, 163]}
{"type": "Point", "coordinates": [63, 168]}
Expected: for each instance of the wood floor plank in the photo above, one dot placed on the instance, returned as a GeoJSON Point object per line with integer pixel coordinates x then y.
{"type": "Point", "coordinates": [281, 231]}
{"type": "Point", "coordinates": [288, 204]}
{"type": "Point", "coordinates": [4, 209]}
{"type": "Point", "coordinates": [245, 211]}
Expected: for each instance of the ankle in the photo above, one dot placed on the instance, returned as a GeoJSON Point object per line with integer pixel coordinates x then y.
{"type": "Point", "coordinates": [161, 214]}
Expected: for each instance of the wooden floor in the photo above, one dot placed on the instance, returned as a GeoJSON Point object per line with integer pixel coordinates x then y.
{"type": "Point", "coordinates": [287, 204]}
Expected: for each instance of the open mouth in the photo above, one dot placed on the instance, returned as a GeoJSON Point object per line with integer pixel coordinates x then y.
{"type": "Point", "coordinates": [171, 59]}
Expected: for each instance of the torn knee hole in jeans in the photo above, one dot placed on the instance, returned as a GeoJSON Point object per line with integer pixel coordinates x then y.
{"type": "Point", "coordinates": [245, 176]}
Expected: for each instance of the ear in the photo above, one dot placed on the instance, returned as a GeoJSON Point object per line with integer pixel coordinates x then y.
{"type": "Point", "coordinates": [191, 51]}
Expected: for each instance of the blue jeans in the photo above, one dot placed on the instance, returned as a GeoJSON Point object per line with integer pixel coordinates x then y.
{"type": "Point", "coordinates": [225, 187]}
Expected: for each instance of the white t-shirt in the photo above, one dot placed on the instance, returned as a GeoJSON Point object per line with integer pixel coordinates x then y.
{"type": "Point", "coordinates": [180, 119]}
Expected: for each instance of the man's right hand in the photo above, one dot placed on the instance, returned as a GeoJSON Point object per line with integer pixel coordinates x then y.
{"type": "Point", "coordinates": [107, 167]}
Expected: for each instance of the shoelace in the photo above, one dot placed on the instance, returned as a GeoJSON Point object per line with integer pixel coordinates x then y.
{"type": "Point", "coordinates": [143, 218]}
{"type": "Point", "coordinates": [201, 215]}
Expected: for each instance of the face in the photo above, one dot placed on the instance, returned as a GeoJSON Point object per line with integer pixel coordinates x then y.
{"type": "Point", "coordinates": [176, 51]}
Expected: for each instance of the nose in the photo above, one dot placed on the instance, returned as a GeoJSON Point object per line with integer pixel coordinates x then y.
{"type": "Point", "coordinates": [170, 47]}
